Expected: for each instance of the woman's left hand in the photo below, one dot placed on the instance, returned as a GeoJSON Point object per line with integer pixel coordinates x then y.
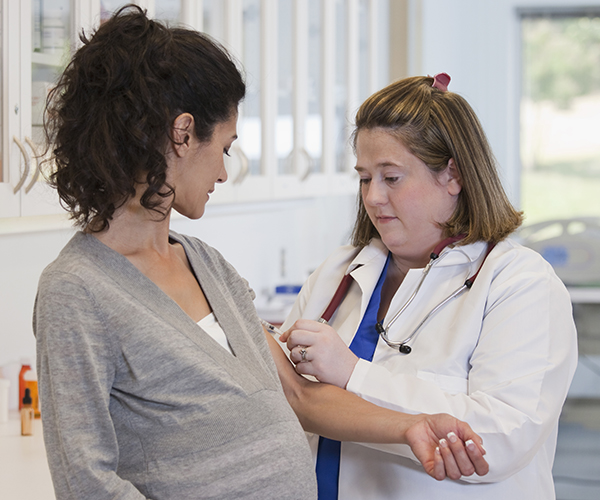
{"type": "Point", "coordinates": [446, 446]}
{"type": "Point", "coordinates": [316, 349]}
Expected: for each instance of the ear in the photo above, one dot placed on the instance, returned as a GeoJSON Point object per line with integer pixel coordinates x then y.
{"type": "Point", "coordinates": [182, 133]}
{"type": "Point", "coordinates": [450, 178]}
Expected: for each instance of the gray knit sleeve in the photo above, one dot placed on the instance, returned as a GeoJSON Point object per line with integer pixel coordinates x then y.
{"type": "Point", "coordinates": [76, 365]}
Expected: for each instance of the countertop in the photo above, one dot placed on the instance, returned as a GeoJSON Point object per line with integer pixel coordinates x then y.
{"type": "Point", "coordinates": [24, 473]}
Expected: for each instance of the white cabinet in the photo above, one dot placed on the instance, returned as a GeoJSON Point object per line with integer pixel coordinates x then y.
{"type": "Point", "coordinates": [37, 37]}
{"type": "Point", "coordinates": [308, 64]}
{"type": "Point", "coordinates": [35, 46]}
{"type": "Point", "coordinates": [304, 62]}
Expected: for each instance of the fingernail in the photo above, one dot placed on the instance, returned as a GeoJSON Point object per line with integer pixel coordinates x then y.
{"type": "Point", "coordinates": [443, 443]}
{"type": "Point", "coordinates": [437, 450]}
{"type": "Point", "coordinates": [470, 445]}
{"type": "Point", "coordinates": [484, 450]}
{"type": "Point", "coordinates": [452, 437]}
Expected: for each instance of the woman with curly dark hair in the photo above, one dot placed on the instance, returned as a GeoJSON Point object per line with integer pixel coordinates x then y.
{"type": "Point", "coordinates": [155, 374]}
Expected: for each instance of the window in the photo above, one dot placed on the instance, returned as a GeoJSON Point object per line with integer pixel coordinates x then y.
{"type": "Point", "coordinates": [560, 115]}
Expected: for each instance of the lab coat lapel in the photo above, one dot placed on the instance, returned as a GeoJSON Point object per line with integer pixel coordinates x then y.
{"type": "Point", "coordinates": [366, 268]}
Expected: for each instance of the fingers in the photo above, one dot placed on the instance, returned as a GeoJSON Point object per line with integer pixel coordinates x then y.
{"type": "Point", "coordinates": [300, 357]}
{"type": "Point", "coordinates": [461, 457]}
{"type": "Point", "coordinates": [474, 450]}
{"type": "Point", "coordinates": [305, 325]}
{"type": "Point", "coordinates": [439, 470]}
{"type": "Point", "coordinates": [450, 463]}
{"type": "Point", "coordinates": [476, 456]}
{"type": "Point", "coordinates": [299, 354]}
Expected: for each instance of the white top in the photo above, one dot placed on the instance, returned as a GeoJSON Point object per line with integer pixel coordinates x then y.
{"type": "Point", "coordinates": [211, 326]}
{"type": "Point", "coordinates": [501, 356]}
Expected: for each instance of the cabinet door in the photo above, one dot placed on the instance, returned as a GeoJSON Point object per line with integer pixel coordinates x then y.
{"type": "Point", "coordinates": [241, 26]}
{"type": "Point", "coordinates": [47, 32]}
{"type": "Point", "coordinates": [12, 168]}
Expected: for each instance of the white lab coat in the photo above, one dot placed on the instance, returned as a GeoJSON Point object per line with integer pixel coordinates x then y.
{"type": "Point", "coordinates": [501, 357]}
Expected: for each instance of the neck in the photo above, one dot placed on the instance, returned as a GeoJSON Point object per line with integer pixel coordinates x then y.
{"type": "Point", "coordinates": [393, 279]}
{"type": "Point", "coordinates": [135, 229]}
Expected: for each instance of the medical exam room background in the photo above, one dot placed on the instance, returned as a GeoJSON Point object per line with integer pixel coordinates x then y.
{"type": "Point", "coordinates": [531, 70]}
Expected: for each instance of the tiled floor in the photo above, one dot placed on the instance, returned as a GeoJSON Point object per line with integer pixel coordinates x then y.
{"type": "Point", "coordinates": [577, 463]}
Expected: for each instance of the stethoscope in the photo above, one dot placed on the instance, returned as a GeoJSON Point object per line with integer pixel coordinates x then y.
{"type": "Point", "coordinates": [403, 346]}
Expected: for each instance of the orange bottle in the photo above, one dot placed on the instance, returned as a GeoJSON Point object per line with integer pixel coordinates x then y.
{"type": "Point", "coordinates": [31, 383]}
{"type": "Point", "coordinates": [25, 367]}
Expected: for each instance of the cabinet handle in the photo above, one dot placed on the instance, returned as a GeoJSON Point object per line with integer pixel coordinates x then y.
{"type": "Point", "coordinates": [36, 172]}
{"type": "Point", "coordinates": [302, 151]}
{"type": "Point", "coordinates": [244, 164]}
{"type": "Point", "coordinates": [26, 171]}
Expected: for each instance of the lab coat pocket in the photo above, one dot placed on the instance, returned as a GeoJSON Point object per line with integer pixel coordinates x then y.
{"type": "Point", "coordinates": [448, 383]}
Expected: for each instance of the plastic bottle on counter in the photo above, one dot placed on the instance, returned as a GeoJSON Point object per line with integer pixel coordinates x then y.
{"type": "Point", "coordinates": [26, 415]}
{"type": "Point", "coordinates": [31, 383]}
{"type": "Point", "coordinates": [25, 367]}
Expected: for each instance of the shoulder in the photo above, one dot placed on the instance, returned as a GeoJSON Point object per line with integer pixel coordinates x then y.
{"type": "Point", "coordinates": [202, 254]}
{"type": "Point", "coordinates": [514, 256]}
{"type": "Point", "coordinates": [516, 267]}
{"type": "Point", "coordinates": [196, 248]}
{"type": "Point", "coordinates": [73, 267]}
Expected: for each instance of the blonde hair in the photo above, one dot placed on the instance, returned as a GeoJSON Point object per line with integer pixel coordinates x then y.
{"type": "Point", "coordinates": [436, 126]}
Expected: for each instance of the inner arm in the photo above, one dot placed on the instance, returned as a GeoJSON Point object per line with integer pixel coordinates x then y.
{"type": "Point", "coordinates": [332, 412]}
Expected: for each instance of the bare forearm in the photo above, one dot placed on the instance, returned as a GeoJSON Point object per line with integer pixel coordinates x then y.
{"type": "Point", "coordinates": [336, 413]}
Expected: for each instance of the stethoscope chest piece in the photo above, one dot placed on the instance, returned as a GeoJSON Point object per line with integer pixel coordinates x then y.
{"type": "Point", "coordinates": [405, 349]}
{"type": "Point", "coordinates": [401, 346]}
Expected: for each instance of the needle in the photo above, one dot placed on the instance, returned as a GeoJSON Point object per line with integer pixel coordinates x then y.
{"type": "Point", "coordinates": [271, 328]}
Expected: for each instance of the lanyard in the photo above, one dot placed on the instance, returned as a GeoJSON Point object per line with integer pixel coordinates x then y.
{"type": "Point", "coordinates": [403, 346]}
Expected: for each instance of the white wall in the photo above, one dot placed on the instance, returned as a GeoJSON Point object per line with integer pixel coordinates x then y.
{"type": "Point", "coordinates": [477, 43]}
{"type": "Point", "coordinates": [250, 236]}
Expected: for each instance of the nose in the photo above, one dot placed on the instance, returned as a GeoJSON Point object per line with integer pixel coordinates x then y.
{"type": "Point", "coordinates": [222, 174]}
{"type": "Point", "coordinates": [373, 194]}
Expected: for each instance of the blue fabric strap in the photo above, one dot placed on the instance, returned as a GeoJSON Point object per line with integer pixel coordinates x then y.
{"type": "Point", "coordinates": [363, 345]}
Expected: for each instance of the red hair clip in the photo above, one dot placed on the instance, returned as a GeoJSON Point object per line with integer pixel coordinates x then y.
{"type": "Point", "coordinates": [441, 81]}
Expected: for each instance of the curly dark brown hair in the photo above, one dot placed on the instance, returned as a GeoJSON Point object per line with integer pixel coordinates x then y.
{"type": "Point", "coordinates": [110, 116]}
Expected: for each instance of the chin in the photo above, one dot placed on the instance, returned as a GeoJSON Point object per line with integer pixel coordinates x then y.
{"type": "Point", "coordinates": [191, 214]}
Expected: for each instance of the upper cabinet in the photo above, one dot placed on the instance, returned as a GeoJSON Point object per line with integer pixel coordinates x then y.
{"type": "Point", "coordinates": [36, 45]}
{"type": "Point", "coordinates": [307, 64]}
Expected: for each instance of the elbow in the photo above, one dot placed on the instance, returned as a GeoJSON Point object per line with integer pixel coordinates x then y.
{"type": "Point", "coordinates": [296, 395]}
{"type": "Point", "coordinates": [300, 396]}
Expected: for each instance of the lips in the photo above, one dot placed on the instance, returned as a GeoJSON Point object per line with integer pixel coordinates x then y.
{"type": "Point", "coordinates": [385, 218]}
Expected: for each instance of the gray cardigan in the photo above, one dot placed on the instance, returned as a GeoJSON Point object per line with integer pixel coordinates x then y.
{"type": "Point", "coordinates": [139, 402]}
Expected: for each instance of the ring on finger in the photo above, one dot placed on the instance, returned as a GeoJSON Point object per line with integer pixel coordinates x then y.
{"type": "Point", "coordinates": [303, 355]}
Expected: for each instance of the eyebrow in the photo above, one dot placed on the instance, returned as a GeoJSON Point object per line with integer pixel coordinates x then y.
{"type": "Point", "coordinates": [384, 164]}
